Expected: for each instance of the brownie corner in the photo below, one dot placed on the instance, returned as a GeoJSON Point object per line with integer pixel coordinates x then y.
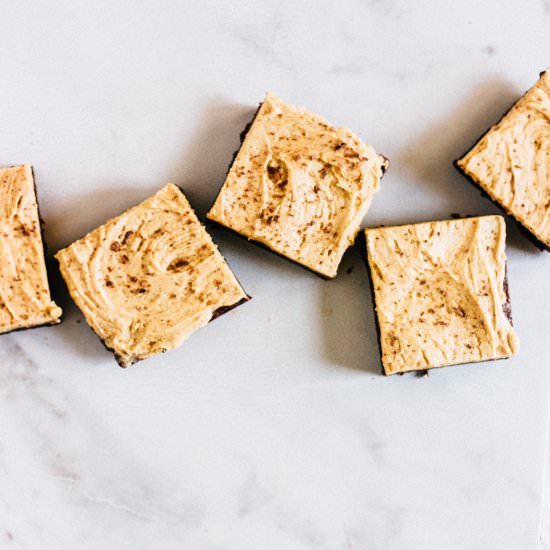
{"type": "Point", "coordinates": [225, 309]}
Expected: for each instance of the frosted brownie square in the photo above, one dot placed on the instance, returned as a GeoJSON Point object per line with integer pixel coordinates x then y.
{"type": "Point", "coordinates": [299, 186]}
{"type": "Point", "coordinates": [511, 162]}
{"type": "Point", "coordinates": [441, 293]}
{"type": "Point", "coordinates": [149, 278]}
{"type": "Point", "coordinates": [25, 299]}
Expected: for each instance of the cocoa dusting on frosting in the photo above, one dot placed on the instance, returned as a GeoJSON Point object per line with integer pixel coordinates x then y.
{"type": "Point", "coordinates": [439, 293]}
{"type": "Point", "coordinates": [299, 186]}
{"type": "Point", "coordinates": [149, 278]}
{"type": "Point", "coordinates": [24, 291]}
{"type": "Point", "coordinates": [511, 163]}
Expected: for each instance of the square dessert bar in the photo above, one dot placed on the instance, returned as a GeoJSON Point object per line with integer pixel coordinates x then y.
{"type": "Point", "coordinates": [149, 278]}
{"type": "Point", "coordinates": [511, 162]}
{"type": "Point", "coordinates": [299, 186]}
{"type": "Point", "coordinates": [441, 293]}
{"type": "Point", "coordinates": [25, 299]}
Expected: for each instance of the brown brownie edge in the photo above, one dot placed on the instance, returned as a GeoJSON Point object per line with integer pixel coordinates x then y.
{"type": "Point", "coordinates": [215, 314]}
{"type": "Point", "coordinates": [524, 230]}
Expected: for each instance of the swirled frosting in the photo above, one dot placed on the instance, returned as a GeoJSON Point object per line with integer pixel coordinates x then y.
{"type": "Point", "coordinates": [512, 161]}
{"type": "Point", "coordinates": [149, 278]}
{"type": "Point", "coordinates": [24, 291]}
{"type": "Point", "coordinates": [439, 290]}
{"type": "Point", "coordinates": [299, 186]}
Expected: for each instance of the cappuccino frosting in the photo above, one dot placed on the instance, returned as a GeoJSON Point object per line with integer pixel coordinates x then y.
{"type": "Point", "coordinates": [299, 186]}
{"type": "Point", "coordinates": [512, 161]}
{"type": "Point", "coordinates": [149, 278]}
{"type": "Point", "coordinates": [24, 291]}
{"type": "Point", "coordinates": [439, 293]}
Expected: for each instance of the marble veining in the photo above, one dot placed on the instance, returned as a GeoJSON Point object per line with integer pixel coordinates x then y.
{"type": "Point", "coordinates": [272, 427]}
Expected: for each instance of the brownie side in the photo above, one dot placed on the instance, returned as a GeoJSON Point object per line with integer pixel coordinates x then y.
{"type": "Point", "coordinates": [526, 232]}
{"type": "Point", "coordinates": [224, 309]}
{"type": "Point", "coordinates": [42, 224]}
{"type": "Point", "coordinates": [215, 314]}
{"type": "Point", "coordinates": [29, 328]}
{"type": "Point", "coordinates": [385, 164]}
{"type": "Point", "coordinates": [426, 372]}
{"type": "Point", "coordinates": [507, 305]}
{"type": "Point", "coordinates": [264, 246]}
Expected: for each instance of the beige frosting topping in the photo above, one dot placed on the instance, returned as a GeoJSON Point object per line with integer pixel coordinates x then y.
{"type": "Point", "coordinates": [299, 186]}
{"type": "Point", "coordinates": [149, 278]}
{"type": "Point", "coordinates": [439, 293]}
{"type": "Point", "coordinates": [24, 292]}
{"type": "Point", "coordinates": [512, 161]}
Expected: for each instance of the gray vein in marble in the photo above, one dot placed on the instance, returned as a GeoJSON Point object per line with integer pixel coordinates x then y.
{"type": "Point", "coordinates": [372, 441]}
{"type": "Point", "coordinates": [39, 409]}
{"type": "Point", "coordinates": [252, 496]}
{"type": "Point", "coordinates": [22, 379]}
{"type": "Point", "coordinates": [267, 39]}
{"type": "Point", "coordinates": [489, 50]}
{"type": "Point", "coordinates": [351, 68]}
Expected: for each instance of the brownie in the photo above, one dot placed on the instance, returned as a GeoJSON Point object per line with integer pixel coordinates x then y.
{"type": "Point", "coordinates": [510, 163]}
{"type": "Point", "coordinates": [24, 288]}
{"type": "Point", "coordinates": [434, 288]}
{"type": "Point", "coordinates": [149, 278]}
{"type": "Point", "coordinates": [304, 194]}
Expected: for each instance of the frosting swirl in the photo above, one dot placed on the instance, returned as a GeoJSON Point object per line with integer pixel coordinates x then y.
{"type": "Point", "coordinates": [24, 291]}
{"type": "Point", "coordinates": [299, 186]}
{"type": "Point", "coordinates": [149, 278]}
{"type": "Point", "coordinates": [439, 293]}
{"type": "Point", "coordinates": [512, 161]}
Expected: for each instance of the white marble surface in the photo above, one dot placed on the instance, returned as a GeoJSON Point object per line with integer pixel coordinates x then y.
{"type": "Point", "coordinates": [544, 534]}
{"type": "Point", "coordinates": [271, 428]}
